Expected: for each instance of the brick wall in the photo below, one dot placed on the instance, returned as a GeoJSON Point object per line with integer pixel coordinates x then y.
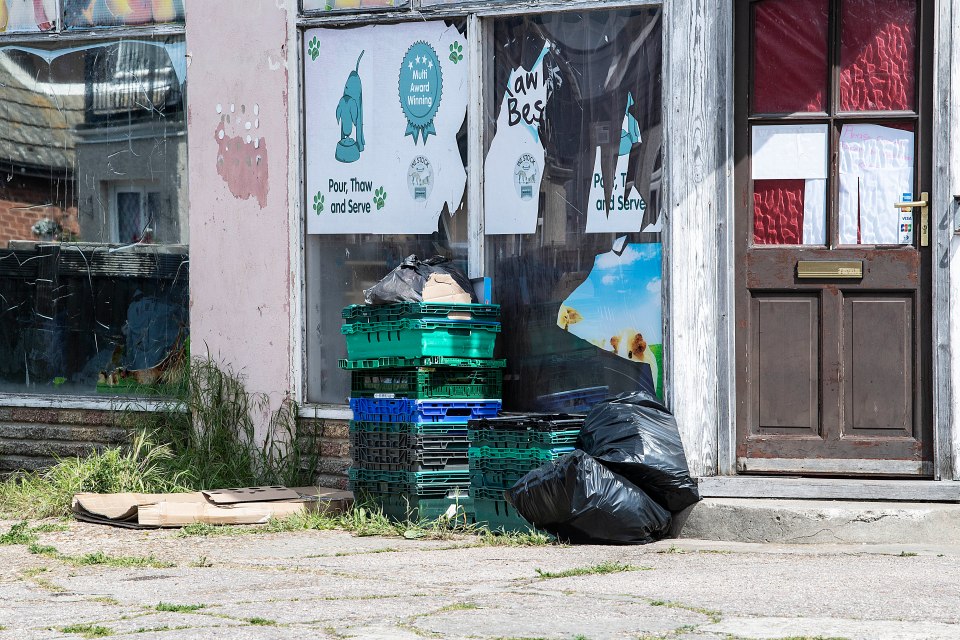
{"type": "Point", "coordinates": [24, 201]}
{"type": "Point", "coordinates": [33, 438]}
{"type": "Point", "coordinates": [333, 442]}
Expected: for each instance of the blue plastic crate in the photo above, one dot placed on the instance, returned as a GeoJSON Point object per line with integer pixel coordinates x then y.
{"type": "Point", "coordinates": [422, 411]}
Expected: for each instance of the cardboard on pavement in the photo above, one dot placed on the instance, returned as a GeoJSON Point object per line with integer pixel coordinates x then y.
{"type": "Point", "coordinates": [231, 506]}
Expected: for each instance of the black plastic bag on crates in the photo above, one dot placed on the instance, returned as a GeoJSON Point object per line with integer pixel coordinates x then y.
{"type": "Point", "coordinates": [634, 435]}
{"type": "Point", "coordinates": [579, 500]}
{"type": "Point", "coordinates": [443, 282]}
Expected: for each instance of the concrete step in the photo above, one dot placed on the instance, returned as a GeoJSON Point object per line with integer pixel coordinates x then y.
{"type": "Point", "coordinates": [819, 522]}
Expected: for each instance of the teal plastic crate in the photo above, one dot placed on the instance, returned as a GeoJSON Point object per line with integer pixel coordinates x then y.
{"type": "Point", "coordinates": [429, 361]}
{"type": "Point", "coordinates": [421, 310]}
{"type": "Point", "coordinates": [532, 457]}
{"type": "Point", "coordinates": [530, 439]}
{"type": "Point", "coordinates": [420, 338]}
{"type": "Point", "coordinates": [408, 507]}
{"type": "Point", "coordinates": [426, 383]}
{"type": "Point", "coordinates": [423, 484]}
{"type": "Point", "coordinates": [494, 512]}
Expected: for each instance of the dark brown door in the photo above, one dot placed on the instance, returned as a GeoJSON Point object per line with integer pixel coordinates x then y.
{"type": "Point", "coordinates": [832, 277]}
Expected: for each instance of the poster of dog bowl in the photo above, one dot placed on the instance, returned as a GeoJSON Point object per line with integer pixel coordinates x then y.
{"type": "Point", "coordinates": [619, 307]}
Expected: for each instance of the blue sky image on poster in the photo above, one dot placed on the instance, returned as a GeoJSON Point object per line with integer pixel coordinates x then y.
{"type": "Point", "coordinates": [619, 307]}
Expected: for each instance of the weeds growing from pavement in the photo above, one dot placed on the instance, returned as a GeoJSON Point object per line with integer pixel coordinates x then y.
{"type": "Point", "coordinates": [600, 569]}
{"type": "Point", "coordinates": [179, 608]}
{"type": "Point", "coordinates": [88, 630]}
{"type": "Point", "coordinates": [99, 558]}
{"type": "Point", "coordinates": [204, 439]}
{"type": "Point", "coordinates": [367, 520]}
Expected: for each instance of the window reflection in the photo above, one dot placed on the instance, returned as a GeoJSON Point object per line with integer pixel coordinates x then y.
{"type": "Point", "coordinates": [93, 216]}
{"type": "Point", "coordinates": [581, 296]}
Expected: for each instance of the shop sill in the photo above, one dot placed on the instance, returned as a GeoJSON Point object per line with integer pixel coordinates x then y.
{"type": "Point", "coordinates": [111, 403]}
{"type": "Point", "coordinates": [326, 412]}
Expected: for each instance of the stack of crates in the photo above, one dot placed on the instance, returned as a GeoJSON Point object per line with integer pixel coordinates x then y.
{"type": "Point", "coordinates": [503, 450]}
{"type": "Point", "coordinates": [420, 372]}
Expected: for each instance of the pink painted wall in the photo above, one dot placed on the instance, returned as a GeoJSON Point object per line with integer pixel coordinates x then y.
{"type": "Point", "coordinates": [240, 262]}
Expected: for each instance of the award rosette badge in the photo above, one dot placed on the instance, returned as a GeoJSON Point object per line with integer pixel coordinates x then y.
{"type": "Point", "coordinates": [421, 85]}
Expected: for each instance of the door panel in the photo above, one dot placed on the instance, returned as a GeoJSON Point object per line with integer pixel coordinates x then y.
{"type": "Point", "coordinates": [786, 346]}
{"type": "Point", "coordinates": [833, 359]}
{"type": "Point", "coordinates": [878, 345]}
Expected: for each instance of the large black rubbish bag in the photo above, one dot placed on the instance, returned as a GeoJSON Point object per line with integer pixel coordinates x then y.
{"type": "Point", "coordinates": [406, 282]}
{"type": "Point", "coordinates": [579, 500]}
{"type": "Point", "coordinates": [637, 437]}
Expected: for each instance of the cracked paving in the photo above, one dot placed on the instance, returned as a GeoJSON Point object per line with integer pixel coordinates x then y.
{"type": "Point", "coordinates": [331, 585]}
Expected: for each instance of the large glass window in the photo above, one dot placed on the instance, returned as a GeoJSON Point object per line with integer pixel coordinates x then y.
{"type": "Point", "coordinates": [571, 180]}
{"type": "Point", "coordinates": [93, 215]}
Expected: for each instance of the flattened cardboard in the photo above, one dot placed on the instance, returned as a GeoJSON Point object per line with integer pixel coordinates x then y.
{"type": "Point", "coordinates": [441, 287]}
{"type": "Point", "coordinates": [151, 511]}
{"type": "Point", "coordinates": [250, 494]}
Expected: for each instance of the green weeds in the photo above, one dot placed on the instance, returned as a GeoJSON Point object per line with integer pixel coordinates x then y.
{"type": "Point", "coordinates": [204, 439]}
{"type": "Point", "coordinates": [179, 608]}
{"type": "Point", "coordinates": [261, 622]}
{"type": "Point", "coordinates": [99, 558]}
{"type": "Point", "coordinates": [88, 630]}
{"type": "Point", "coordinates": [600, 569]}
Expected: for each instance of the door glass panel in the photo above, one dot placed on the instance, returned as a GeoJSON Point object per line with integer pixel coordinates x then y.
{"type": "Point", "coordinates": [877, 55]}
{"type": "Point", "coordinates": [789, 211]}
{"type": "Point", "coordinates": [129, 217]}
{"type": "Point", "coordinates": [876, 172]}
{"type": "Point", "coordinates": [790, 56]}
{"type": "Point", "coordinates": [789, 171]}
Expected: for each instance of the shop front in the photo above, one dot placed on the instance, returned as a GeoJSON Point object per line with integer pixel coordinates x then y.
{"type": "Point", "coordinates": [745, 209]}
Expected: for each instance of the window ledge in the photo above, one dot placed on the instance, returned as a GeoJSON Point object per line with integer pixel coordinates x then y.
{"type": "Point", "coordinates": [112, 403]}
{"type": "Point", "coordinates": [326, 412]}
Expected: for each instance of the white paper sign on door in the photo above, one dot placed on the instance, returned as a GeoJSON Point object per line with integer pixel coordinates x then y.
{"type": "Point", "coordinates": [876, 172]}
{"type": "Point", "coordinates": [513, 168]}
{"type": "Point", "coordinates": [384, 105]}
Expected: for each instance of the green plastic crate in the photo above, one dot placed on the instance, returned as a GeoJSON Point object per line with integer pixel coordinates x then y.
{"type": "Point", "coordinates": [420, 338]}
{"type": "Point", "coordinates": [494, 438]}
{"type": "Point", "coordinates": [421, 310]}
{"type": "Point", "coordinates": [500, 515]}
{"type": "Point", "coordinates": [408, 507]}
{"type": "Point", "coordinates": [430, 361]}
{"type": "Point", "coordinates": [428, 383]}
{"type": "Point", "coordinates": [424, 484]}
{"type": "Point", "coordinates": [509, 457]}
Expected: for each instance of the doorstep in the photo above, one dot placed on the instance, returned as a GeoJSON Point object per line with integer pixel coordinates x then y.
{"type": "Point", "coordinates": [820, 522]}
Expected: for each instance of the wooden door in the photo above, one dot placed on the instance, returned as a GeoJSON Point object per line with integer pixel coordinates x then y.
{"type": "Point", "coordinates": [833, 281]}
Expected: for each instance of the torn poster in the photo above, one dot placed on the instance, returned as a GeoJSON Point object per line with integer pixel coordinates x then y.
{"type": "Point", "coordinates": [619, 307]}
{"type": "Point", "coordinates": [796, 152]}
{"type": "Point", "coordinates": [382, 154]}
{"type": "Point", "coordinates": [514, 164]}
{"type": "Point", "coordinates": [876, 172]}
{"type": "Point", "coordinates": [625, 210]}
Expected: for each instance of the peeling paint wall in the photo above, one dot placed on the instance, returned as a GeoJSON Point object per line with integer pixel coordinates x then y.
{"type": "Point", "coordinates": [239, 220]}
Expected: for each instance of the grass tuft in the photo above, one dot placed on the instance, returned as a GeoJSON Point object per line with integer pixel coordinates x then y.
{"type": "Point", "coordinates": [179, 608]}
{"type": "Point", "coordinates": [88, 630]}
{"type": "Point", "coordinates": [712, 614]}
{"type": "Point", "coordinates": [600, 569]}
{"type": "Point", "coordinates": [99, 558]}
{"type": "Point", "coordinates": [262, 622]}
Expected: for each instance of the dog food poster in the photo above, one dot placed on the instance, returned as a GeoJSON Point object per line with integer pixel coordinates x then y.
{"type": "Point", "coordinates": [384, 106]}
{"type": "Point", "coordinates": [619, 308]}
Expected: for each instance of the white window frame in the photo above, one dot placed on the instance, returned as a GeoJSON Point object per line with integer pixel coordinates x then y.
{"type": "Point", "coordinates": [478, 15]}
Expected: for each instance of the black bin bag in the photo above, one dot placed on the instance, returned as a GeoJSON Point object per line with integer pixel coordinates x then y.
{"type": "Point", "coordinates": [406, 282]}
{"type": "Point", "coordinates": [579, 500]}
{"type": "Point", "coordinates": [636, 436]}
